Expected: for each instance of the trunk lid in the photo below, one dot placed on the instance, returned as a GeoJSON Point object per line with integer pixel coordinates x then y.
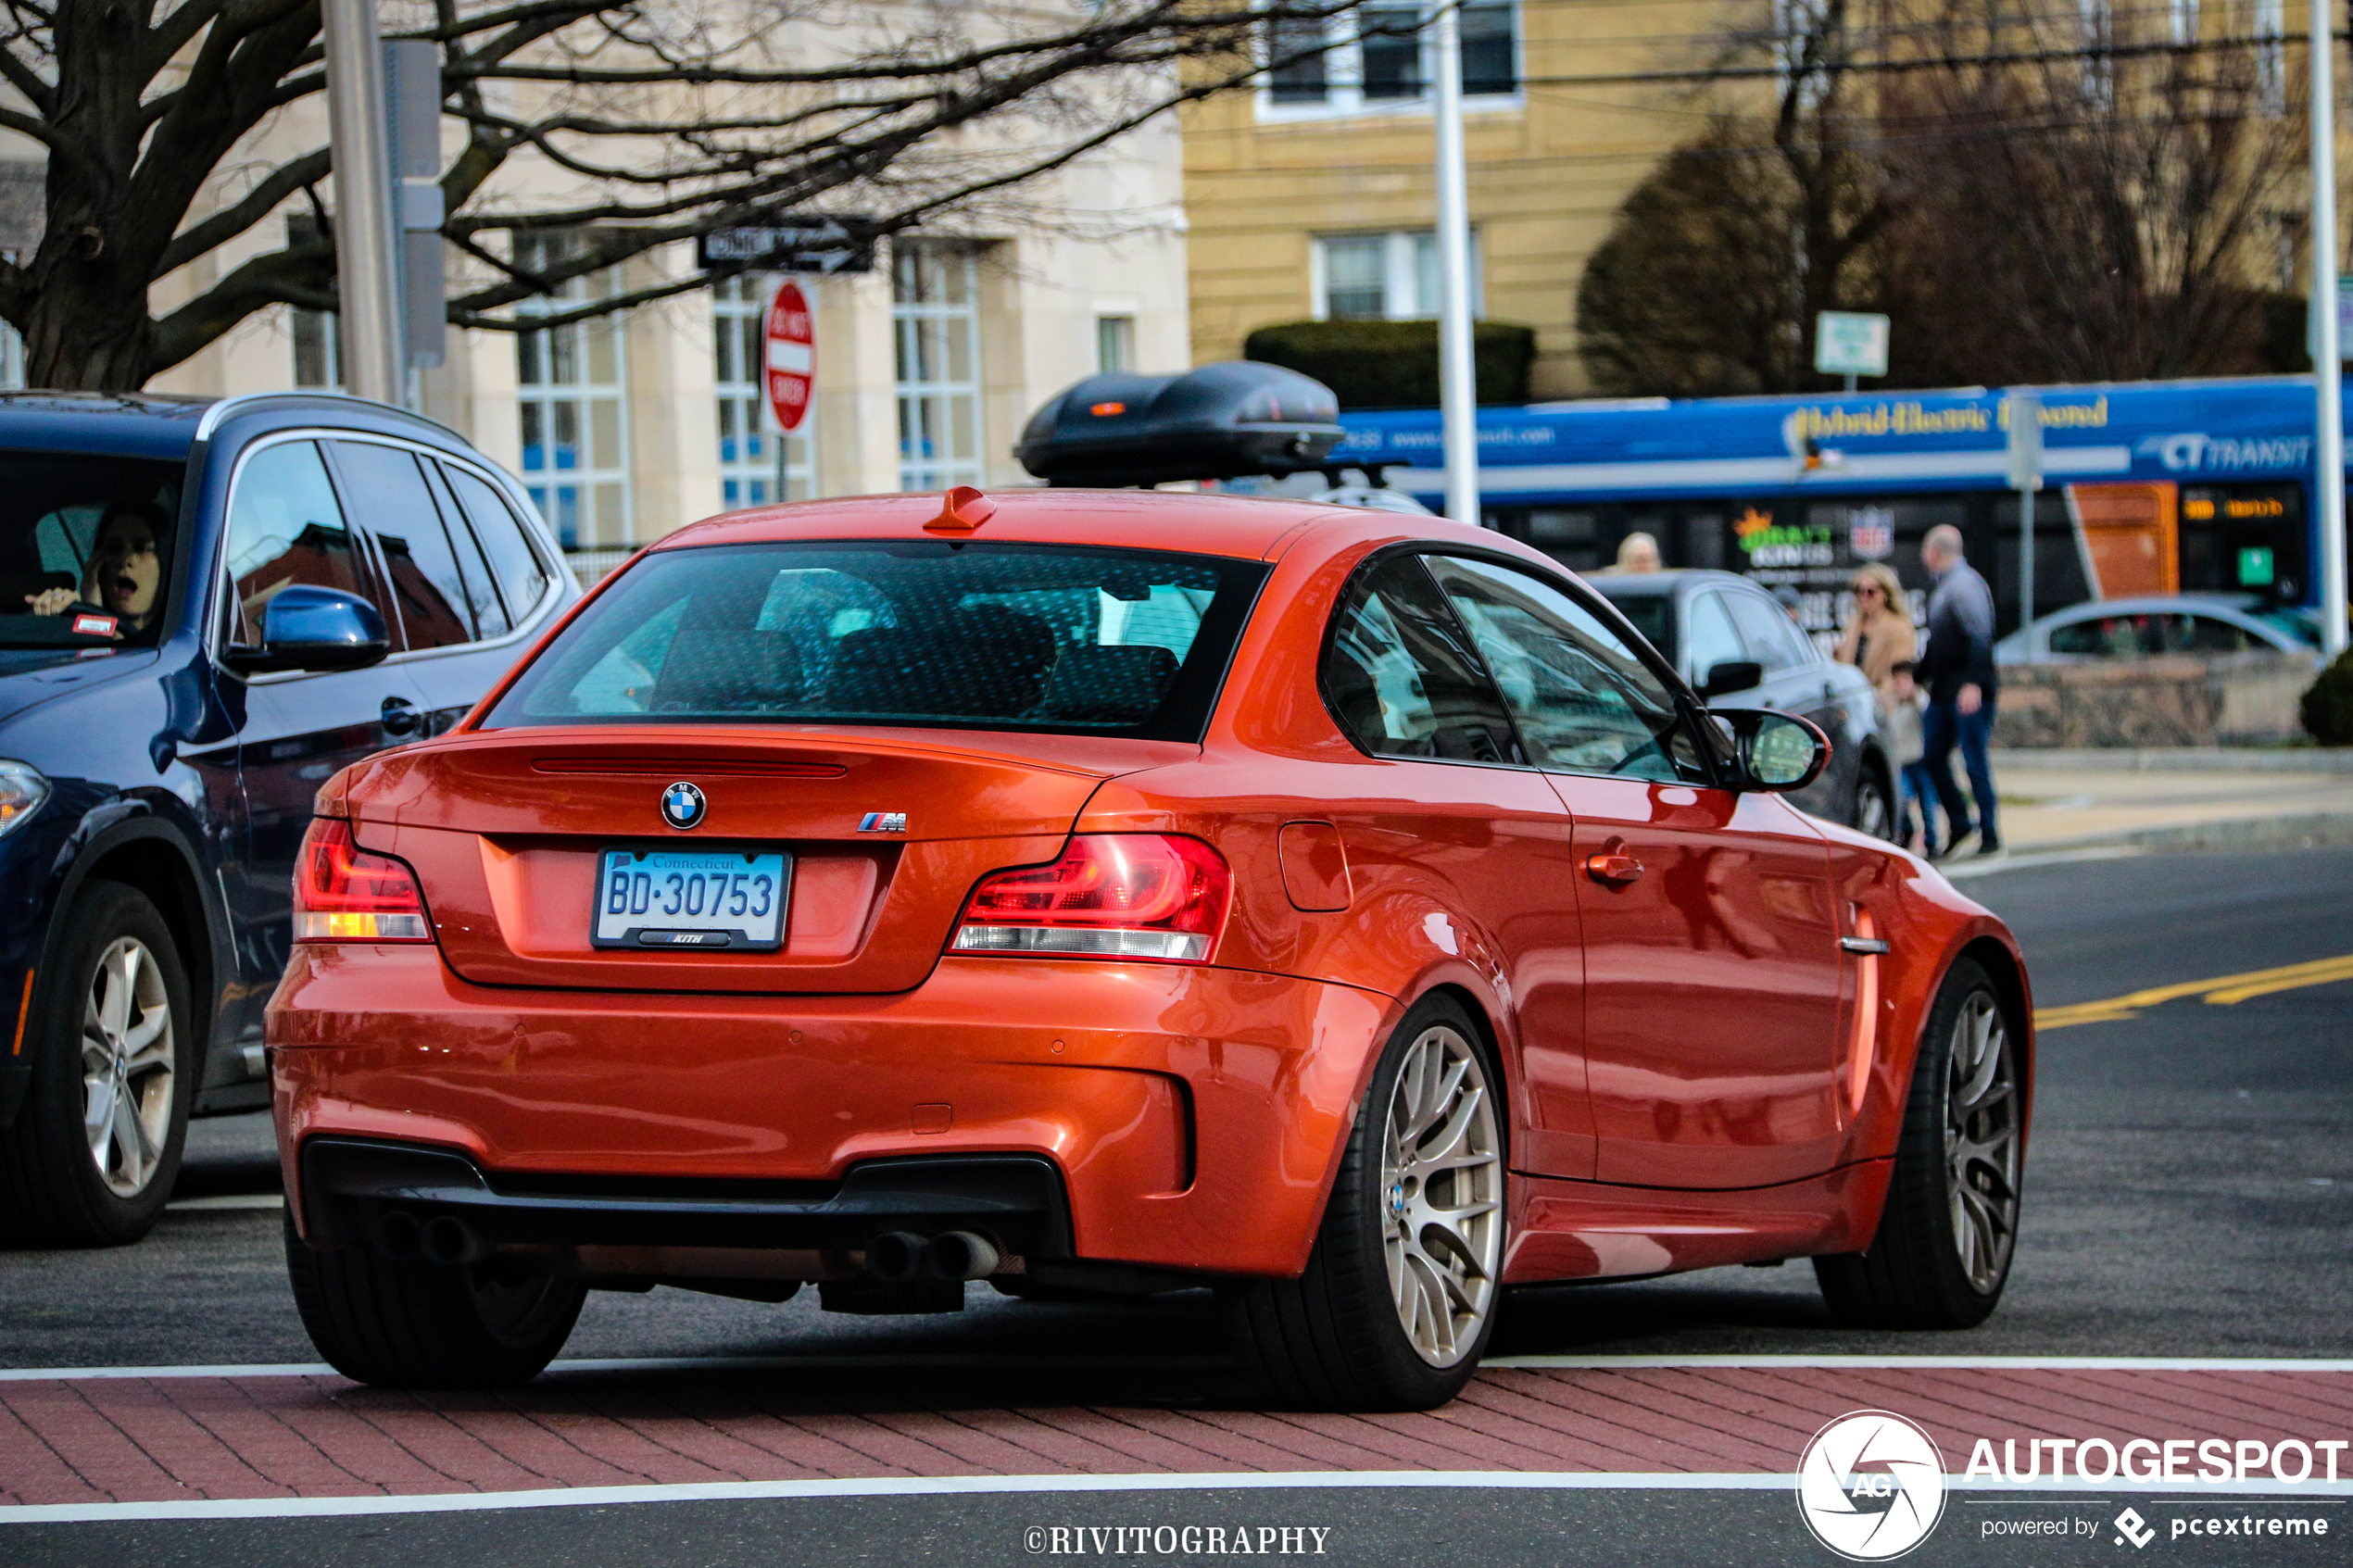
{"type": "Point", "coordinates": [504, 830]}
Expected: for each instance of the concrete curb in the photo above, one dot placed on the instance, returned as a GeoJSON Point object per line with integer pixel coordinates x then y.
{"type": "Point", "coordinates": [2303, 830]}
{"type": "Point", "coordinates": [2178, 760]}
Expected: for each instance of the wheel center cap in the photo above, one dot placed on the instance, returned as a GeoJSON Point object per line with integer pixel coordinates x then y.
{"type": "Point", "coordinates": [1397, 1197]}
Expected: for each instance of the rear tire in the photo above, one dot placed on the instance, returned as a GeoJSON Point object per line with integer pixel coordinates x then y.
{"type": "Point", "coordinates": [1947, 1236]}
{"type": "Point", "coordinates": [112, 1048]}
{"type": "Point", "coordinates": [414, 1325]}
{"type": "Point", "coordinates": [1400, 1292]}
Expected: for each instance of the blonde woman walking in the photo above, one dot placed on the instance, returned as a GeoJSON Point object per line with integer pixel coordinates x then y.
{"type": "Point", "coordinates": [1878, 636]}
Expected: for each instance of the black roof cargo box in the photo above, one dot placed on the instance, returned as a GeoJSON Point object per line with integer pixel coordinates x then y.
{"type": "Point", "coordinates": [1220, 421]}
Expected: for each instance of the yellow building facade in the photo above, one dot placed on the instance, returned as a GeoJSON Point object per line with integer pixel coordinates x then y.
{"type": "Point", "coordinates": [1314, 196]}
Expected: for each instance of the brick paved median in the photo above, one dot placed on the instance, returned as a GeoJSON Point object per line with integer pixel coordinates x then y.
{"type": "Point", "coordinates": [143, 1439]}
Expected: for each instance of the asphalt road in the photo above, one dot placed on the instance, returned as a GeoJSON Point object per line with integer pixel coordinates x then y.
{"type": "Point", "coordinates": [2190, 1191]}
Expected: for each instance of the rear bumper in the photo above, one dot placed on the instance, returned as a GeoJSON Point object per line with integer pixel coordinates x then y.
{"type": "Point", "coordinates": [1188, 1117]}
{"type": "Point", "coordinates": [348, 1185]}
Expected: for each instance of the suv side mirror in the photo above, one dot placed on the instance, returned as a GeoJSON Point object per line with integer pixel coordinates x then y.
{"type": "Point", "coordinates": [309, 628]}
{"type": "Point", "coordinates": [1777, 752]}
{"type": "Point", "coordinates": [1732, 675]}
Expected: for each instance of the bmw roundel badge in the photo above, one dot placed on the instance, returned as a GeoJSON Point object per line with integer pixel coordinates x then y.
{"type": "Point", "coordinates": [682, 805]}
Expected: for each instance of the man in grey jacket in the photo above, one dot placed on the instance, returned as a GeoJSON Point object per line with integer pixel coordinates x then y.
{"type": "Point", "coordinates": [1958, 670]}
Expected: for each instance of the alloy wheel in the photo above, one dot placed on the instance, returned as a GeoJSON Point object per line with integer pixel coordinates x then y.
{"type": "Point", "coordinates": [1441, 1195]}
{"type": "Point", "coordinates": [1980, 1142]}
{"type": "Point", "coordinates": [1872, 814]}
{"type": "Point", "coordinates": [127, 1066]}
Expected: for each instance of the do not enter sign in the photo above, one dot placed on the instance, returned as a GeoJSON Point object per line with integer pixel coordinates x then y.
{"type": "Point", "coordinates": [792, 355]}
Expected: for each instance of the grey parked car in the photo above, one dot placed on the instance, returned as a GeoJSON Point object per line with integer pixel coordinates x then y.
{"type": "Point", "coordinates": [1711, 623]}
{"type": "Point", "coordinates": [2146, 627]}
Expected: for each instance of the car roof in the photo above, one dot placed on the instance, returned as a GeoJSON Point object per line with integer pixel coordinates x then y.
{"type": "Point", "coordinates": [147, 424]}
{"type": "Point", "coordinates": [130, 423]}
{"type": "Point", "coordinates": [1248, 527]}
{"type": "Point", "coordinates": [2154, 604]}
{"type": "Point", "coordinates": [1631, 585]}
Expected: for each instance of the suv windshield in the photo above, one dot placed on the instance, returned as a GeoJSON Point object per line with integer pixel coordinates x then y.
{"type": "Point", "coordinates": [1060, 639]}
{"type": "Point", "coordinates": [85, 547]}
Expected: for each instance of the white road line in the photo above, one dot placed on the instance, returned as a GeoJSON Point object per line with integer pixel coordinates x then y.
{"type": "Point", "coordinates": [655, 1363]}
{"type": "Point", "coordinates": [1501, 1364]}
{"type": "Point", "coordinates": [753, 1491]}
{"type": "Point", "coordinates": [228, 1200]}
{"type": "Point", "coordinates": [1978, 1363]}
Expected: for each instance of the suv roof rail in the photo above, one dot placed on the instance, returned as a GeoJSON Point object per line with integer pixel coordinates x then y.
{"type": "Point", "coordinates": [242, 401]}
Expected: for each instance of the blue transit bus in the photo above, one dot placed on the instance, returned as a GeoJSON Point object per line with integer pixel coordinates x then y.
{"type": "Point", "coordinates": [2194, 486]}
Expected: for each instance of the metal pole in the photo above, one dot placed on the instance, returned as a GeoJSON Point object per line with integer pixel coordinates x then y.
{"type": "Point", "coordinates": [367, 273]}
{"type": "Point", "coordinates": [2025, 557]}
{"type": "Point", "coordinates": [1457, 375]}
{"type": "Point", "coordinates": [2328, 368]}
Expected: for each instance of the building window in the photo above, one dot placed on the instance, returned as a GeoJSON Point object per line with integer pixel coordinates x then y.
{"type": "Point", "coordinates": [318, 348]}
{"type": "Point", "coordinates": [572, 384]}
{"type": "Point", "coordinates": [1378, 56]}
{"type": "Point", "coordinates": [318, 355]}
{"type": "Point", "coordinates": [1392, 276]}
{"type": "Point", "coordinates": [2270, 55]}
{"type": "Point", "coordinates": [935, 317]}
{"type": "Point", "coordinates": [750, 441]}
{"type": "Point", "coordinates": [1115, 344]}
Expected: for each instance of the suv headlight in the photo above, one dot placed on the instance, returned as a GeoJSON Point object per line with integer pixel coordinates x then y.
{"type": "Point", "coordinates": [22, 789]}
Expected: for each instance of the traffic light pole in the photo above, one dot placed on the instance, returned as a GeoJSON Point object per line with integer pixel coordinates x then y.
{"type": "Point", "coordinates": [367, 273]}
{"type": "Point", "coordinates": [1457, 375]}
{"type": "Point", "coordinates": [2328, 362]}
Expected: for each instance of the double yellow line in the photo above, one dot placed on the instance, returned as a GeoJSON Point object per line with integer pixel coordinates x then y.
{"type": "Point", "coordinates": [2223, 990]}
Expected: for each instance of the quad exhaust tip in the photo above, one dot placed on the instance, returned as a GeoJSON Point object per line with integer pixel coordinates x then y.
{"type": "Point", "coordinates": [904, 1257]}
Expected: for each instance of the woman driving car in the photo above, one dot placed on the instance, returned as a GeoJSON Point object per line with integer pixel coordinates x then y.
{"type": "Point", "coordinates": [124, 578]}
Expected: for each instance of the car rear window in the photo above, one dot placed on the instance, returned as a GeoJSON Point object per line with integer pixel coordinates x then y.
{"type": "Point", "coordinates": [1058, 639]}
{"type": "Point", "coordinates": [1653, 615]}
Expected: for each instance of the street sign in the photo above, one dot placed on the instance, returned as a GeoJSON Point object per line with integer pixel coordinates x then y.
{"type": "Point", "coordinates": [792, 355]}
{"type": "Point", "coordinates": [824, 246]}
{"type": "Point", "coordinates": [2026, 440]}
{"type": "Point", "coordinates": [1850, 342]}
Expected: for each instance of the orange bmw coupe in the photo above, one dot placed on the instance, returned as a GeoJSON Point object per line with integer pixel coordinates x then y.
{"type": "Point", "coordinates": [1109, 894]}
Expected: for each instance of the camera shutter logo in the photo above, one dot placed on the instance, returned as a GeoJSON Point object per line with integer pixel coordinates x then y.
{"type": "Point", "coordinates": [682, 805]}
{"type": "Point", "coordinates": [1870, 1486]}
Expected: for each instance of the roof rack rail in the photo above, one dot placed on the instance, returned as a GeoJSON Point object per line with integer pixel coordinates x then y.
{"type": "Point", "coordinates": [238, 403]}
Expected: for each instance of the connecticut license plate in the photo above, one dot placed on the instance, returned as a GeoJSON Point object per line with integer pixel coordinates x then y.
{"type": "Point", "coordinates": [701, 900]}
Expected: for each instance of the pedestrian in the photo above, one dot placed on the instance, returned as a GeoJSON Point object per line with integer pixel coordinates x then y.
{"type": "Point", "coordinates": [1637, 552]}
{"type": "Point", "coordinates": [1900, 727]}
{"type": "Point", "coordinates": [1877, 635]}
{"type": "Point", "coordinates": [1958, 670]}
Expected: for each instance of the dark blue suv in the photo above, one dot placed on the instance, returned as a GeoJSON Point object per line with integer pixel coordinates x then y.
{"type": "Point", "coordinates": [205, 609]}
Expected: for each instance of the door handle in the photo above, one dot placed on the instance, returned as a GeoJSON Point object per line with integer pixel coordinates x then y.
{"type": "Point", "coordinates": [400, 717]}
{"type": "Point", "coordinates": [1613, 866]}
{"type": "Point", "coordinates": [1864, 944]}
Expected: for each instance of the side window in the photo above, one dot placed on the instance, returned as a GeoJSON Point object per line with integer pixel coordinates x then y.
{"type": "Point", "coordinates": [523, 577]}
{"type": "Point", "coordinates": [482, 588]}
{"type": "Point", "coordinates": [285, 527]}
{"type": "Point", "coordinates": [1584, 701]}
{"type": "Point", "coordinates": [389, 493]}
{"type": "Point", "coordinates": [1772, 640]}
{"type": "Point", "coordinates": [1708, 637]}
{"type": "Point", "coordinates": [1402, 681]}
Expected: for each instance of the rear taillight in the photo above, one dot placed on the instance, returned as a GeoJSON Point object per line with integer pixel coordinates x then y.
{"type": "Point", "coordinates": [344, 894]}
{"type": "Point", "coordinates": [1111, 895]}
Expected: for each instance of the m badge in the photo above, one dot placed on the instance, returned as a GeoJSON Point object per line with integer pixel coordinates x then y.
{"type": "Point", "coordinates": [883, 822]}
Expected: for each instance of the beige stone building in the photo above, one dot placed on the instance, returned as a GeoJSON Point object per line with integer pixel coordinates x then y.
{"type": "Point", "coordinates": [1314, 196]}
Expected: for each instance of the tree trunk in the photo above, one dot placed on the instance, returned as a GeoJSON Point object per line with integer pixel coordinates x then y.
{"type": "Point", "coordinates": [89, 331]}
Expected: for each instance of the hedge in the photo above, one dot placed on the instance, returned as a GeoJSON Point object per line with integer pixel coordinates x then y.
{"type": "Point", "coordinates": [2328, 705]}
{"type": "Point", "coordinates": [1394, 364]}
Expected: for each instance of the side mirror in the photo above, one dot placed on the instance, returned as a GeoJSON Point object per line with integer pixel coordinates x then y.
{"type": "Point", "coordinates": [1777, 752]}
{"type": "Point", "coordinates": [314, 629]}
{"type": "Point", "coordinates": [1732, 675]}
